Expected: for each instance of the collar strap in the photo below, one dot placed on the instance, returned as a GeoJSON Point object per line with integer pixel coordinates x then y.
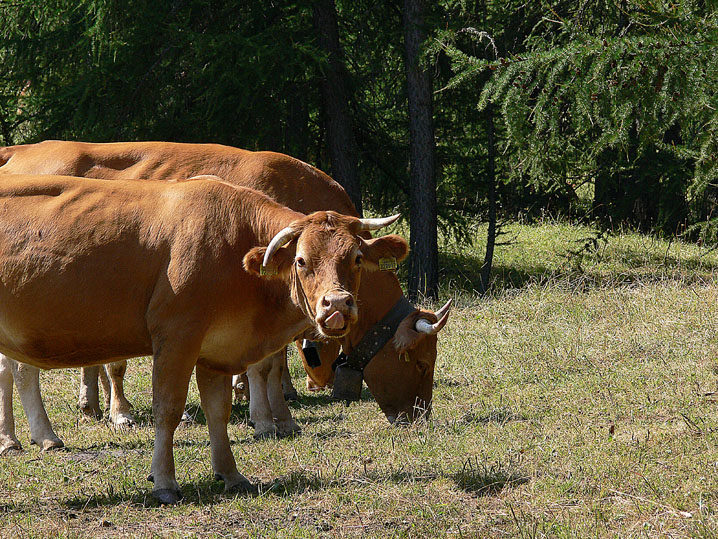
{"type": "Point", "coordinates": [375, 339]}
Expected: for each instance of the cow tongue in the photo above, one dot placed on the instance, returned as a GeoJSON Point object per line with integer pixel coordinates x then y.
{"type": "Point", "coordinates": [335, 321]}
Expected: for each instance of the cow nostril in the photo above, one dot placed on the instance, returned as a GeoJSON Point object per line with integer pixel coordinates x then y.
{"type": "Point", "coordinates": [325, 302]}
{"type": "Point", "coordinates": [349, 302]}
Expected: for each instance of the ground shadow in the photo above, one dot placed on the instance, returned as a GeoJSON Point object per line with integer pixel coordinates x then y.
{"type": "Point", "coordinates": [462, 271]}
{"type": "Point", "coordinates": [482, 478]}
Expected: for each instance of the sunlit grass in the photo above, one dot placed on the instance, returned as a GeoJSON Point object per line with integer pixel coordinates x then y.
{"type": "Point", "coordinates": [577, 399]}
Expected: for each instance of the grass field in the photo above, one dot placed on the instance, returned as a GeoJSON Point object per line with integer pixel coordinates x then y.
{"type": "Point", "coordinates": [579, 399]}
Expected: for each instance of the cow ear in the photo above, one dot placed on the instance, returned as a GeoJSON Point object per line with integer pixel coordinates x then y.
{"type": "Point", "coordinates": [406, 337]}
{"type": "Point", "coordinates": [279, 265]}
{"type": "Point", "coordinates": [392, 248]}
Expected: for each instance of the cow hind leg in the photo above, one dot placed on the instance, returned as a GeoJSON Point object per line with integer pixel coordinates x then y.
{"type": "Point", "coordinates": [260, 412]}
{"type": "Point", "coordinates": [120, 414]}
{"type": "Point", "coordinates": [290, 392]}
{"type": "Point", "coordinates": [283, 419]}
{"type": "Point", "coordinates": [89, 400]}
{"type": "Point", "coordinates": [240, 384]}
{"type": "Point", "coordinates": [215, 392]}
{"type": "Point", "coordinates": [8, 440]}
{"type": "Point", "coordinates": [104, 378]}
{"type": "Point", "coordinates": [27, 380]}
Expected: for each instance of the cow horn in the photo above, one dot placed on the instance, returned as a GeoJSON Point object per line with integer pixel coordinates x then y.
{"type": "Point", "coordinates": [376, 224]}
{"type": "Point", "coordinates": [282, 238]}
{"type": "Point", "coordinates": [441, 312]}
{"type": "Point", "coordinates": [424, 326]}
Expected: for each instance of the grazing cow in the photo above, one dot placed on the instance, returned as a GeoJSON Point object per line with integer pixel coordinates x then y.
{"type": "Point", "coordinates": [199, 274]}
{"type": "Point", "coordinates": [400, 375]}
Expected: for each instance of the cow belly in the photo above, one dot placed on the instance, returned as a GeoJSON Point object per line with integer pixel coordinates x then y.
{"type": "Point", "coordinates": [52, 347]}
{"type": "Point", "coordinates": [230, 346]}
{"type": "Point", "coordinates": [72, 324]}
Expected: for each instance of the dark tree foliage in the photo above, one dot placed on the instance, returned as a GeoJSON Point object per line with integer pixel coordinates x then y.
{"type": "Point", "coordinates": [620, 96]}
{"type": "Point", "coordinates": [178, 70]}
{"type": "Point", "coordinates": [602, 108]}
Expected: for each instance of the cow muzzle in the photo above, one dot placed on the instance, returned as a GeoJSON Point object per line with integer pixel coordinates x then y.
{"type": "Point", "coordinates": [336, 312]}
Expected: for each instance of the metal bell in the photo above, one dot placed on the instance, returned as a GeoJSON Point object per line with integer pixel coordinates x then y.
{"type": "Point", "coordinates": [347, 384]}
{"type": "Point", "coordinates": [311, 353]}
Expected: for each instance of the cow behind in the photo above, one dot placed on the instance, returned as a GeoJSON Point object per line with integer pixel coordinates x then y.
{"type": "Point", "coordinates": [401, 374]}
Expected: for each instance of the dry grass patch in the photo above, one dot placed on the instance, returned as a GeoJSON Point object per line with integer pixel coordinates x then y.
{"type": "Point", "coordinates": [582, 403]}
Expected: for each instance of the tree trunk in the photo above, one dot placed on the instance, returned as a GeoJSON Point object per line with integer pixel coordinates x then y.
{"type": "Point", "coordinates": [424, 262]}
{"type": "Point", "coordinates": [491, 178]}
{"type": "Point", "coordinates": [335, 92]}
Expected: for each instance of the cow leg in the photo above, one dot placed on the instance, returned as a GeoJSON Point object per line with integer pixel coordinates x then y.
{"type": "Point", "coordinates": [89, 401]}
{"type": "Point", "coordinates": [280, 411]}
{"type": "Point", "coordinates": [215, 391]}
{"type": "Point", "coordinates": [260, 412]}
{"type": "Point", "coordinates": [290, 392]}
{"type": "Point", "coordinates": [8, 440]}
{"type": "Point", "coordinates": [104, 378]}
{"type": "Point", "coordinates": [171, 372]}
{"type": "Point", "coordinates": [27, 380]}
{"type": "Point", "coordinates": [119, 405]}
{"type": "Point", "coordinates": [240, 383]}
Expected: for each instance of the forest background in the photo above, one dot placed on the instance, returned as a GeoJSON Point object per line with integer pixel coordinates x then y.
{"type": "Point", "coordinates": [454, 112]}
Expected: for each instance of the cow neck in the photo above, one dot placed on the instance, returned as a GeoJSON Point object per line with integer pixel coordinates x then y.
{"type": "Point", "coordinates": [377, 336]}
{"type": "Point", "coordinates": [385, 308]}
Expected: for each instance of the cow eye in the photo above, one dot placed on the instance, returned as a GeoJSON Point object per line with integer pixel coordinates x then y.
{"type": "Point", "coordinates": [300, 262]}
{"type": "Point", "coordinates": [358, 260]}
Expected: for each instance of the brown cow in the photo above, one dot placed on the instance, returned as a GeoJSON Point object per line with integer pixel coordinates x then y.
{"type": "Point", "coordinates": [94, 271]}
{"type": "Point", "coordinates": [397, 384]}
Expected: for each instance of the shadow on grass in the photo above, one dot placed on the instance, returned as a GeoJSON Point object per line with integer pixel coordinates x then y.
{"type": "Point", "coordinates": [204, 492]}
{"type": "Point", "coordinates": [481, 478]}
{"type": "Point", "coordinates": [476, 477]}
{"type": "Point", "coordinates": [500, 415]}
{"type": "Point", "coordinates": [461, 271]}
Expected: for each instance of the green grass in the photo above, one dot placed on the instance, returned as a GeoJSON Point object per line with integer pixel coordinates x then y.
{"type": "Point", "coordinates": [578, 399]}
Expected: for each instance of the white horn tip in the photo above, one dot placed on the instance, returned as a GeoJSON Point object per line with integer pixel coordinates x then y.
{"type": "Point", "coordinates": [445, 309]}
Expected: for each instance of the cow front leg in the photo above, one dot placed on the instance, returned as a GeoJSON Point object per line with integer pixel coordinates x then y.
{"type": "Point", "coordinates": [290, 392]}
{"type": "Point", "coordinates": [8, 440]}
{"type": "Point", "coordinates": [89, 400]}
{"type": "Point", "coordinates": [215, 391]}
{"type": "Point", "coordinates": [283, 420]}
{"type": "Point", "coordinates": [27, 380]}
{"type": "Point", "coordinates": [171, 372]}
{"type": "Point", "coordinates": [260, 412]}
{"type": "Point", "coordinates": [120, 414]}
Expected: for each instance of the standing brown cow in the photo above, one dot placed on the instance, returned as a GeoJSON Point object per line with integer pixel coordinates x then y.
{"type": "Point", "coordinates": [94, 271]}
{"type": "Point", "coordinates": [400, 375]}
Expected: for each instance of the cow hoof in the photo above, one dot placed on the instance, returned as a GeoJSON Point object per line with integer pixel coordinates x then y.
{"type": "Point", "coordinates": [167, 496]}
{"type": "Point", "coordinates": [288, 431]}
{"type": "Point", "coordinates": [124, 421]}
{"type": "Point", "coordinates": [265, 435]}
{"type": "Point", "coordinates": [291, 396]}
{"type": "Point", "coordinates": [244, 487]}
{"type": "Point", "coordinates": [151, 478]}
{"type": "Point", "coordinates": [91, 412]}
{"type": "Point", "coordinates": [49, 444]}
{"type": "Point", "coordinates": [9, 446]}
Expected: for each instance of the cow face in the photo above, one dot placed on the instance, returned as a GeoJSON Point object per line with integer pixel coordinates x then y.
{"type": "Point", "coordinates": [321, 257]}
{"type": "Point", "coordinates": [401, 375]}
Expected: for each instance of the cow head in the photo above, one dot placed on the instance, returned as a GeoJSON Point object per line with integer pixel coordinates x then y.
{"type": "Point", "coordinates": [321, 256]}
{"type": "Point", "coordinates": [401, 374]}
